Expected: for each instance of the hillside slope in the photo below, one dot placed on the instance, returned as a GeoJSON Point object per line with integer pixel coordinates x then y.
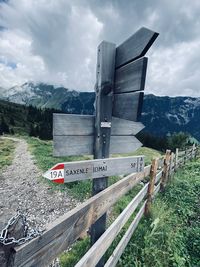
{"type": "Point", "coordinates": [160, 115]}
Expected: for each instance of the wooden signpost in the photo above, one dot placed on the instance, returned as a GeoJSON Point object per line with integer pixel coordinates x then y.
{"type": "Point", "coordinates": [120, 81]}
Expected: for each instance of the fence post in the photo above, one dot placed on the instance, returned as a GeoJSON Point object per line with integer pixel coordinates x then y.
{"type": "Point", "coordinates": [154, 167]}
{"type": "Point", "coordinates": [171, 165]}
{"type": "Point", "coordinates": [176, 160]}
{"type": "Point", "coordinates": [193, 151]}
{"type": "Point", "coordinates": [185, 157]}
{"type": "Point", "coordinates": [165, 170]}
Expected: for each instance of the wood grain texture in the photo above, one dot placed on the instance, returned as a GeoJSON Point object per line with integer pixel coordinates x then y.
{"type": "Point", "coordinates": [134, 47]}
{"type": "Point", "coordinates": [80, 125]}
{"type": "Point", "coordinates": [158, 176]}
{"type": "Point", "coordinates": [156, 189]}
{"type": "Point", "coordinates": [181, 153]}
{"type": "Point", "coordinates": [95, 253]}
{"type": "Point", "coordinates": [128, 106]}
{"type": "Point", "coordinates": [83, 145]}
{"type": "Point", "coordinates": [131, 77]}
{"type": "Point", "coordinates": [70, 124]}
{"type": "Point", "coordinates": [114, 258]}
{"type": "Point", "coordinates": [60, 234]}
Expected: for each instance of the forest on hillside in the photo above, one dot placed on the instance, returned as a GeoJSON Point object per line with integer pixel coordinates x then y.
{"type": "Point", "coordinates": [37, 122]}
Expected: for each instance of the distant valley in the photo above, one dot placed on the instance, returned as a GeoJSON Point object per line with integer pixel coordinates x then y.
{"type": "Point", "coordinates": [160, 115]}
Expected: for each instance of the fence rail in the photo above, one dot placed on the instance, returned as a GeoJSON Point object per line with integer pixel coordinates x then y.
{"type": "Point", "coordinates": [68, 228]}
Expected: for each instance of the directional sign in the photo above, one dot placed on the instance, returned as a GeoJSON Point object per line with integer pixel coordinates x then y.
{"type": "Point", "coordinates": [80, 125]}
{"type": "Point", "coordinates": [90, 169]}
{"type": "Point", "coordinates": [135, 46]}
{"type": "Point", "coordinates": [131, 77]}
{"type": "Point", "coordinates": [128, 106]}
{"type": "Point", "coordinates": [120, 96]}
{"type": "Point", "coordinates": [84, 145]}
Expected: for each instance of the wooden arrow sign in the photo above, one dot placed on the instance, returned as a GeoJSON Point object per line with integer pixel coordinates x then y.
{"type": "Point", "coordinates": [74, 135]}
{"type": "Point", "coordinates": [131, 77]}
{"type": "Point", "coordinates": [128, 106]}
{"type": "Point", "coordinates": [83, 145]}
{"type": "Point", "coordinates": [90, 169]}
{"type": "Point", "coordinates": [81, 125]}
{"type": "Point", "coordinates": [135, 47]}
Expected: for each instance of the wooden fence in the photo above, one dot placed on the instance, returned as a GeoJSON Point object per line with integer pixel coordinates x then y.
{"type": "Point", "coordinates": [67, 229]}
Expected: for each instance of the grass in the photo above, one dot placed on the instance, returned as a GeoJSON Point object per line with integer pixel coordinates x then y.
{"type": "Point", "coordinates": [43, 154]}
{"type": "Point", "coordinates": [170, 236]}
{"type": "Point", "coordinates": [7, 148]}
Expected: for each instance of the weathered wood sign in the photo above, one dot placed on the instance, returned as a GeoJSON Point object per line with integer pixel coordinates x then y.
{"type": "Point", "coordinates": [120, 81]}
{"type": "Point", "coordinates": [121, 73]}
{"type": "Point", "coordinates": [90, 169]}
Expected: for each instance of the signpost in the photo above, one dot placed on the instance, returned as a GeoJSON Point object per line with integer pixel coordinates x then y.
{"type": "Point", "coordinates": [120, 81]}
{"type": "Point", "coordinates": [90, 169]}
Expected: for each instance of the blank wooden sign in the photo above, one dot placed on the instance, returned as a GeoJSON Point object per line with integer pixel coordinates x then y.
{"type": "Point", "coordinates": [81, 125]}
{"type": "Point", "coordinates": [134, 47]}
{"type": "Point", "coordinates": [74, 135]}
{"type": "Point", "coordinates": [84, 145]}
{"type": "Point", "coordinates": [131, 77]}
{"type": "Point", "coordinates": [128, 105]}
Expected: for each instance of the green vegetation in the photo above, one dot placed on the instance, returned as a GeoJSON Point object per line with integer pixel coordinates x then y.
{"type": "Point", "coordinates": [42, 150]}
{"type": "Point", "coordinates": [25, 120]}
{"type": "Point", "coordinates": [170, 141]}
{"type": "Point", "coordinates": [43, 153]}
{"type": "Point", "coordinates": [7, 147]}
{"type": "Point", "coordinates": [170, 236]}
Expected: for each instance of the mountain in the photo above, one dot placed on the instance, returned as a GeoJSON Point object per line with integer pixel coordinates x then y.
{"type": "Point", "coordinates": [47, 96]}
{"type": "Point", "coordinates": [163, 115]}
{"type": "Point", "coordinates": [160, 115]}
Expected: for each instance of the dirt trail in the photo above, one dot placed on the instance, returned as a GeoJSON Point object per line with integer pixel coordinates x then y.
{"type": "Point", "coordinates": [22, 189]}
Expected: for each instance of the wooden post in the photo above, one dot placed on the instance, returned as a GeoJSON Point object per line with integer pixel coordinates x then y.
{"type": "Point", "coordinates": [171, 165]}
{"type": "Point", "coordinates": [176, 160]}
{"type": "Point", "coordinates": [154, 167]}
{"type": "Point", "coordinates": [165, 170]}
{"type": "Point", "coordinates": [103, 116]}
{"type": "Point", "coordinates": [193, 151]}
{"type": "Point", "coordinates": [185, 157]}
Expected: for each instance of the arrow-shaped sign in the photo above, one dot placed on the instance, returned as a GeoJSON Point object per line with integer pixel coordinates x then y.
{"type": "Point", "coordinates": [90, 169]}
{"type": "Point", "coordinates": [74, 134]}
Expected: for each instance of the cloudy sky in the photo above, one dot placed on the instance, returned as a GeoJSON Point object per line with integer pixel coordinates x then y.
{"type": "Point", "coordinates": [54, 41]}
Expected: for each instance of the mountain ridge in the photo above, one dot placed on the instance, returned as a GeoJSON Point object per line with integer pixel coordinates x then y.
{"type": "Point", "coordinates": [160, 114]}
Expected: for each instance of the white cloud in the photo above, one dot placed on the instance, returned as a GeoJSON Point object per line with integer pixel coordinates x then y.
{"type": "Point", "coordinates": [55, 41]}
{"type": "Point", "coordinates": [175, 71]}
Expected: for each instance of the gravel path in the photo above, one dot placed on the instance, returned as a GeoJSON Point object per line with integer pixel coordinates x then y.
{"type": "Point", "coordinates": [22, 189]}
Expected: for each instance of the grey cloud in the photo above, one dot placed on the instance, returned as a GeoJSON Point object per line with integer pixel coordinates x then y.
{"type": "Point", "coordinates": [65, 34]}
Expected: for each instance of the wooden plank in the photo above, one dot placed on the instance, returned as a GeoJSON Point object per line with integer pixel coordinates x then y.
{"type": "Point", "coordinates": [71, 124]}
{"type": "Point", "coordinates": [60, 234]}
{"type": "Point", "coordinates": [125, 127]}
{"type": "Point", "coordinates": [158, 176]}
{"type": "Point", "coordinates": [95, 253]}
{"type": "Point", "coordinates": [134, 47]}
{"type": "Point", "coordinates": [83, 145]}
{"type": "Point", "coordinates": [90, 169]}
{"type": "Point", "coordinates": [131, 77]}
{"type": "Point", "coordinates": [114, 258]}
{"type": "Point", "coordinates": [128, 106]}
{"type": "Point", "coordinates": [181, 153]}
{"type": "Point", "coordinates": [80, 125]}
{"type": "Point", "coordinates": [156, 189]}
